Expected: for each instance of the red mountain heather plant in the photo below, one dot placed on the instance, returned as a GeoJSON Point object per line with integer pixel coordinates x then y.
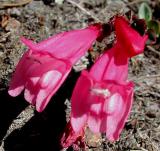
{"type": "Point", "coordinates": [45, 66]}
{"type": "Point", "coordinates": [102, 97]}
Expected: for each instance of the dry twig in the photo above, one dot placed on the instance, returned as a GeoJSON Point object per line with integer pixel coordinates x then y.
{"type": "Point", "coordinates": [146, 77]}
{"type": "Point", "coordinates": [84, 10]}
{"type": "Point", "coordinates": [21, 3]}
{"type": "Point", "coordinates": [153, 50]}
{"type": "Point", "coordinates": [136, 2]}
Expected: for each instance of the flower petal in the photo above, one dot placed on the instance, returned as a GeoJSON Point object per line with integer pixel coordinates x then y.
{"type": "Point", "coordinates": [79, 106]}
{"type": "Point", "coordinates": [117, 109]}
{"type": "Point", "coordinates": [29, 43]}
{"type": "Point", "coordinates": [46, 87]}
{"type": "Point", "coordinates": [70, 137]}
{"type": "Point", "coordinates": [61, 45]}
{"type": "Point", "coordinates": [78, 122]}
{"type": "Point", "coordinates": [95, 117]}
{"type": "Point", "coordinates": [31, 90]}
{"type": "Point", "coordinates": [132, 42]}
{"type": "Point", "coordinates": [18, 80]}
{"type": "Point", "coordinates": [111, 66]}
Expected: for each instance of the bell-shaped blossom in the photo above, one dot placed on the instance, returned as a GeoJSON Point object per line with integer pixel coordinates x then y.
{"type": "Point", "coordinates": [102, 97]}
{"type": "Point", "coordinates": [45, 66]}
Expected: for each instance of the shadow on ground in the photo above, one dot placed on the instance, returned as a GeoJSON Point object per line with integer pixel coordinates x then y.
{"type": "Point", "coordinates": [9, 108]}
{"type": "Point", "coordinates": [43, 131]}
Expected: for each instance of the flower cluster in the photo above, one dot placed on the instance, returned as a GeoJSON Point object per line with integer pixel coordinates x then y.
{"type": "Point", "coordinates": [102, 97]}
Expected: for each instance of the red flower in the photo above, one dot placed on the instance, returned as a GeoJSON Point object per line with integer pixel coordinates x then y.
{"type": "Point", "coordinates": [45, 66]}
{"type": "Point", "coordinates": [102, 97]}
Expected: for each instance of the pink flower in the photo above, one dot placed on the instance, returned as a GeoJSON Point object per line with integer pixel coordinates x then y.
{"type": "Point", "coordinates": [102, 97]}
{"type": "Point", "coordinates": [70, 137]}
{"type": "Point", "coordinates": [45, 66]}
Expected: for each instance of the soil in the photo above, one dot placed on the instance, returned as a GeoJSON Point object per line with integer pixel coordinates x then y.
{"type": "Point", "coordinates": [24, 129]}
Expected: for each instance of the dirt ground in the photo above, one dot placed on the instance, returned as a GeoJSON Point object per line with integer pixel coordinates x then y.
{"type": "Point", "coordinates": [22, 128]}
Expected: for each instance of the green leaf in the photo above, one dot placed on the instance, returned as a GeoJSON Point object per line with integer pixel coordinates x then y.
{"type": "Point", "coordinates": [145, 12]}
{"type": "Point", "coordinates": [155, 26]}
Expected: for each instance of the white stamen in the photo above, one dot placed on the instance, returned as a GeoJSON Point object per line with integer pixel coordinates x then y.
{"type": "Point", "coordinates": [99, 92]}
